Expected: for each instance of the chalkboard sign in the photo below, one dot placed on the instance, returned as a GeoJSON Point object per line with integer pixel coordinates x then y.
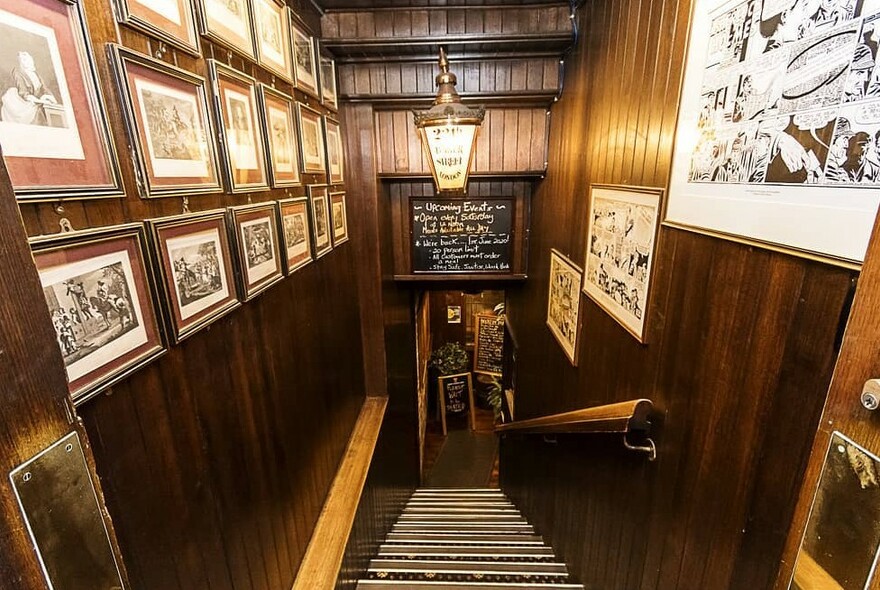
{"type": "Point", "coordinates": [489, 349]}
{"type": "Point", "coordinates": [462, 235]}
{"type": "Point", "coordinates": [456, 396]}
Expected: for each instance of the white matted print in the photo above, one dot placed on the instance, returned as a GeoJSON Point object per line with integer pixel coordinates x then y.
{"type": "Point", "coordinates": [258, 241]}
{"type": "Point", "coordinates": [198, 270]}
{"type": "Point", "coordinates": [563, 303]}
{"type": "Point", "coordinates": [776, 141]}
{"type": "Point", "coordinates": [273, 37]}
{"type": "Point", "coordinates": [311, 136]}
{"type": "Point", "coordinates": [304, 62]}
{"type": "Point", "coordinates": [622, 229]}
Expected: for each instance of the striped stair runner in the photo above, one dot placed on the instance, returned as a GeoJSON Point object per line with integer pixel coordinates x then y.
{"type": "Point", "coordinates": [450, 538]}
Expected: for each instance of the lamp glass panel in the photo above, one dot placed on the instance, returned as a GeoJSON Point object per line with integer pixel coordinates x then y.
{"type": "Point", "coordinates": [450, 147]}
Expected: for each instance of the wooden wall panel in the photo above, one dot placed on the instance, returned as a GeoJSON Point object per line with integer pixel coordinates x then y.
{"type": "Point", "coordinates": [740, 346]}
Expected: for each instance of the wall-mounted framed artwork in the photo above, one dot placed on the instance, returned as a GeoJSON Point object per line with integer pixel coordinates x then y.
{"type": "Point", "coordinates": [171, 21]}
{"type": "Point", "coordinates": [255, 228]}
{"type": "Point", "coordinates": [281, 139]}
{"type": "Point", "coordinates": [195, 266]}
{"type": "Point", "coordinates": [98, 285]}
{"type": "Point", "coordinates": [563, 303]}
{"type": "Point", "coordinates": [775, 144]}
{"type": "Point", "coordinates": [296, 242]}
{"type": "Point", "coordinates": [53, 125]}
{"type": "Point", "coordinates": [335, 159]}
{"type": "Point", "coordinates": [304, 60]}
{"type": "Point", "coordinates": [320, 219]}
{"type": "Point", "coordinates": [228, 23]}
{"type": "Point", "coordinates": [243, 142]}
{"type": "Point", "coordinates": [327, 70]}
{"type": "Point", "coordinates": [171, 133]}
{"type": "Point", "coordinates": [621, 234]}
{"type": "Point", "coordinates": [339, 218]}
{"type": "Point", "coordinates": [311, 137]}
{"type": "Point", "coordinates": [273, 37]}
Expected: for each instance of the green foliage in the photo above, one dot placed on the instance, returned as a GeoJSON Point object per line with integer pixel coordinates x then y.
{"type": "Point", "coordinates": [494, 397]}
{"type": "Point", "coordinates": [449, 359]}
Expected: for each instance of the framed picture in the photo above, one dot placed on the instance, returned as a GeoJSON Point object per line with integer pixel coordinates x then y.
{"type": "Point", "coordinates": [295, 239]}
{"type": "Point", "coordinates": [453, 314]}
{"type": "Point", "coordinates": [243, 142]}
{"type": "Point", "coordinates": [281, 138]}
{"type": "Point", "coordinates": [334, 151]}
{"type": "Point", "coordinates": [563, 303]}
{"type": "Point", "coordinates": [172, 137]}
{"type": "Point", "coordinates": [255, 228]}
{"type": "Point", "coordinates": [53, 126]}
{"type": "Point", "coordinates": [99, 289]}
{"type": "Point", "coordinates": [621, 232]}
{"type": "Point", "coordinates": [195, 265]}
{"type": "Point", "coordinates": [320, 219]}
{"type": "Point", "coordinates": [228, 22]}
{"type": "Point", "coordinates": [311, 137]}
{"type": "Point", "coordinates": [339, 217]}
{"type": "Point", "coordinates": [170, 21]}
{"type": "Point", "coordinates": [273, 37]}
{"type": "Point", "coordinates": [329, 97]}
{"type": "Point", "coordinates": [304, 63]}
{"type": "Point", "coordinates": [776, 139]}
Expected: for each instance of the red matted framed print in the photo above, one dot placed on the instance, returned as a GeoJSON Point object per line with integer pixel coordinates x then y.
{"type": "Point", "coordinates": [255, 231]}
{"type": "Point", "coordinates": [335, 169]}
{"type": "Point", "coordinates": [327, 71]}
{"type": "Point", "coordinates": [98, 287]}
{"type": "Point", "coordinates": [235, 104]}
{"type": "Point", "coordinates": [320, 219]}
{"type": "Point", "coordinates": [296, 244]}
{"type": "Point", "coordinates": [197, 276]}
{"type": "Point", "coordinates": [171, 133]}
{"type": "Point", "coordinates": [311, 137]}
{"type": "Point", "coordinates": [304, 62]}
{"type": "Point", "coordinates": [273, 37]}
{"type": "Point", "coordinates": [53, 125]}
{"type": "Point", "coordinates": [339, 218]}
{"type": "Point", "coordinates": [170, 21]}
{"type": "Point", "coordinates": [228, 23]}
{"type": "Point", "coordinates": [282, 142]}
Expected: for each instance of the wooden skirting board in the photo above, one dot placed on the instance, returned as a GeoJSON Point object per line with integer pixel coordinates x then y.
{"type": "Point", "coordinates": [323, 558]}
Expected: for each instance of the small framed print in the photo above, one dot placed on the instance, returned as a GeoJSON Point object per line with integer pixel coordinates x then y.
{"type": "Point", "coordinates": [339, 218]}
{"type": "Point", "coordinates": [166, 112]}
{"type": "Point", "coordinates": [320, 219]}
{"type": "Point", "coordinates": [304, 63]}
{"type": "Point", "coordinates": [563, 303]}
{"type": "Point", "coordinates": [170, 21]}
{"type": "Point", "coordinates": [622, 227]}
{"type": "Point", "coordinates": [311, 137]}
{"type": "Point", "coordinates": [235, 103]}
{"type": "Point", "coordinates": [335, 158]}
{"type": "Point", "coordinates": [281, 138]}
{"type": "Point", "coordinates": [327, 69]}
{"type": "Point", "coordinates": [53, 126]}
{"type": "Point", "coordinates": [273, 37]}
{"type": "Point", "coordinates": [295, 240]}
{"type": "Point", "coordinates": [228, 22]}
{"type": "Point", "coordinates": [194, 260]}
{"type": "Point", "coordinates": [255, 228]}
{"type": "Point", "coordinates": [99, 289]}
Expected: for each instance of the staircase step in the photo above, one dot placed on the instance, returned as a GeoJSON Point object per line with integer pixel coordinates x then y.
{"type": "Point", "coordinates": [453, 527]}
{"type": "Point", "coordinates": [464, 576]}
{"type": "Point", "coordinates": [430, 565]}
{"type": "Point", "coordinates": [406, 549]}
{"type": "Point", "coordinates": [477, 504]}
{"type": "Point", "coordinates": [465, 538]}
{"type": "Point", "coordinates": [460, 510]}
{"type": "Point", "coordinates": [465, 490]}
{"type": "Point", "coordinates": [472, 517]}
{"type": "Point", "coordinates": [399, 584]}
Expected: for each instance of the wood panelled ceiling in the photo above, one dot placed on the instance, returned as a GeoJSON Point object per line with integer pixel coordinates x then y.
{"type": "Point", "coordinates": [371, 4]}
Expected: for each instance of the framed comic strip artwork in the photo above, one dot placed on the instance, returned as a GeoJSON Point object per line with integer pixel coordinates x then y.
{"type": "Point", "coordinates": [621, 234]}
{"type": "Point", "coordinates": [304, 63]}
{"type": "Point", "coordinates": [339, 218]}
{"type": "Point", "coordinates": [53, 126]}
{"type": "Point", "coordinates": [334, 151]}
{"type": "Point", "coordinates": [311, 137]}
{"type": "Point", "coordinates": [228, 22]}
{"type": "Point", "coordinates": [255, 228]}
{"type": "Point", "coordinates": [563, 303]}
{"type": "Point", "coordinates": [327, 69]}
{"type": "Point", "coordinates": [273, 37]}
{"type": "Point", "coordinates": [281, 138]}
{"type": "Point", "coordinates": [776, 142]}
{"type": "Point", "coordinates": [320, 219]}
{"type": "Point", "coordinates": [166, 111]}
{"type": "Point", "coordinates": [296, 243]}
{"type": "Point", "coordinates": [194, 261]}
{"type": "Point", "coordinates": [235, 104]}
{"type": "Point", "coordinates": [98, 286]}
{"type": "Point", "coordinates": [171, 21]}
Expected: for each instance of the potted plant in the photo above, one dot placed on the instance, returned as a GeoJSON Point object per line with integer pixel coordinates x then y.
{"type": "Point", "coordinates": [449, 359]}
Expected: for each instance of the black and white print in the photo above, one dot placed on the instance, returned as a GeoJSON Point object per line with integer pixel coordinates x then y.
{"type": "Point", "coordinates": [295, 233]}
{"type": "Point", "coordinates": [258, 243]}
{"type": "Point", "coordinates": [563, 303]}
{"type": "Point", "coordinates": [173, 130]}
{"type": "Point", "coordinates": [198, 271]}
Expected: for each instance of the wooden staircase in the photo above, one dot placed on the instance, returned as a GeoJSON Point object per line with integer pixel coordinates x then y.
{"type": "Point", "coordinates": [450, 538]}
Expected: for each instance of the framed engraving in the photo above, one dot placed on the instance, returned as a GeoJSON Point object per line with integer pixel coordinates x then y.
{"type": "Point", "coordinates": [335, 157]}
{"type": "Point", "coordinates": [243, 142]}
{"type": "Point", "coordinates": [228, 22]}
{"type": "Point", "coordinates": [281, 138]}
{"type": "Point", "coordinates": [304, 63]}
{"type": "Point", "coordinates": [53, 126]}
{"type": "Point", "coordinates": [194, 262]}
{"type": "Point", "coordinates": [320, 219]}
{"type": "Point", "coordinates": [339, 217]}
{"type": "Point", "coordinates": [563, 303]}
{"type": "Point", "coordinates": [171, 21]}
{"type": "Point", "coordinates": [255, 228]}
{"type": "Point", "coordinates": [327, 69]}
{"type": "Point", "coordinates": [98, 286]}
{"type": "Point", "coordinates": [273, 37]}
{"type": "Point", "coordinates": [296, 243]}
{"type": "Point", "coordinates": [311, 137]}
{"type": "Point", "coordinates": [166, 113]}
